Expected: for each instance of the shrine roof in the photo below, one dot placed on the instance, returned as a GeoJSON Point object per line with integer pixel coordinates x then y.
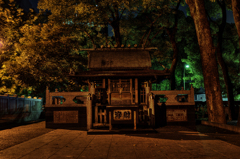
{"type": "Point", "coordinates": [118, 59]}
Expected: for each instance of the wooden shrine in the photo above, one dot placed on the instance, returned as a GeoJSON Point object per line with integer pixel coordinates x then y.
{"type": "Point", "coordinates": [119, 81]}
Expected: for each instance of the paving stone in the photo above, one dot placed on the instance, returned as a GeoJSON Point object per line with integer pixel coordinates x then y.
{"type": "Point", "coordinates": [68, 152]}
{"type": "Point", "coordinates": [125, 151]}
{"type": "Point", "coordinates": [96, 152]}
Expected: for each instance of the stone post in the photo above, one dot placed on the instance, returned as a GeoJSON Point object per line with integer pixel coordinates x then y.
{"type": "Point", "coordinates": [47, 96]}
{"type": "Point", "coordinates": [89, 112]}
{"type": "Point", "coordinates": [151, 107]}
{"type": "Point", "coordinates": [151, 102]}
{"type": "Point", "coordinates": [90, 105]}
{"type": "Point", "coordinates": [147, 91]}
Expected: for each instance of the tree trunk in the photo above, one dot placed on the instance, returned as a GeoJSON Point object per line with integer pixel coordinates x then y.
{"type": "Point", "coordinates": [175, 58]}
{"type": "Point", "coordinates": [115, 26]}
{"type": "Point", "coordinates": [172, 33]}
{"type": "Point", "coordinates": [227, 80]}
{"type": "Point", "coordinates": [228, 83]}
{"type": "Point", "coordinates": [236, 16]}
{"type": "Point", "coordinates": [229, 86]}
{"type": "Point", "coordinates": [216, 112]}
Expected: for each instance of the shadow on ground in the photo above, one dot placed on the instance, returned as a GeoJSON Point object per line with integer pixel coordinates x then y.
{"type": "Point", "coordinates": [198, 132]}
{"type": "Point", "coordinates": [11, 124]}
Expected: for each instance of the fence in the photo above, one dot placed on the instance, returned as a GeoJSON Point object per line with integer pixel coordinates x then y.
{"type": "Point", "coordinates": [201, 109]}
{"type": "Point", "coordinates": [15, 104]}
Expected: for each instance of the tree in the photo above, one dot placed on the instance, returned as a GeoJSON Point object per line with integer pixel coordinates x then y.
{"type": "Point", "coordinates": [209, 64]}
{"type": "Point", "coordinates": [219, 48]}
{"type": "Point", "coordinates": [88, 12]}
{"type": "Point", "coordinates": [36, 52]}
{"type": "Point", "coordinates": [236, 15]}
{"type": "Point", "coordinates": [11, 19]}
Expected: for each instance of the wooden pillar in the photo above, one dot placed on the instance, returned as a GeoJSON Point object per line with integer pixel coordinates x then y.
{"type": "Point", "coordinates": [92, 88]}
{"type": "Point", "coordinates": [131, 91]}
{"type": "Point", "coordinates": [136, 91]}
{"type": "Point", "coordinates": [135, 120]}
{"type": "Point", "coordinates": [105, 116]}
{"type": "Point", "coordinates": [110, 120]}
{"type": "Point", "coordinates": [96, 114]}
{"type": "Point", "coordinates": [150, 115]}
{"type": "Point", "coordinates": [109, 91]}
{"type": "Point", "coordinates": [103, 83]}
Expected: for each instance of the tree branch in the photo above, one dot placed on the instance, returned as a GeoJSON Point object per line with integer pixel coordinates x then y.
{"type": "Point", "coordinates": [211, 19]}
{"type": "Point", "coordinates": [122, 13]}
{"type": "Point", "coordinates": [112, 13]}
{"type": "Point", "coordinates": [90, 37]}
{"type": "Point", "coordinates": [155, 35]}
{"type": "Point", "coordinates": [148, 19]}
{"type": "Point", "coordinates": [147, 37]}
{"type": "Point", "coordinates": [176, 19]}
{"type": "Point", "coordinates": [156, 18]}
{"type": "Point", "coordinates": [162, 65]}
{"type": "Point", "coordinates": [142, 38]}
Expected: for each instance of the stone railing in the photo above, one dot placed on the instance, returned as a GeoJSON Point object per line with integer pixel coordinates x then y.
{"type": "Point", "coordinates": [62, 99]}
{"type": "Point", "coordinates": [177, 97]}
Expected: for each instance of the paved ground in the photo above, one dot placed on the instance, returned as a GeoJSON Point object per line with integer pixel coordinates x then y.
{"type": "Point", "coordinates": [34, 141]}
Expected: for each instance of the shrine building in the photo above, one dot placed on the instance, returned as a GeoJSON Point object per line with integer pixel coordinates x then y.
{"type": "Point", "coordinates": [119, 94]}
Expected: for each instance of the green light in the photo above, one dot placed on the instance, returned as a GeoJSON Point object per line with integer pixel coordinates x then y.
{"type": "Point", "coordinates": [187, 66]}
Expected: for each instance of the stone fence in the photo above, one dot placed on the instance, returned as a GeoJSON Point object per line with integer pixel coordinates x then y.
{"type": "Point", "coordinates": [176, 97]}
{"type": "Point", "coordinates": [62, 99]}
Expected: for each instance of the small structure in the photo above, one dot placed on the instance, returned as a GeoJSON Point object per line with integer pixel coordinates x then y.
{"type": "Point", "coordinates": [119, 81]}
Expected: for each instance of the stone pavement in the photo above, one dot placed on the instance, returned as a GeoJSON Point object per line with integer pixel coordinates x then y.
{"type": "Point", "coordinates": [170, 142]}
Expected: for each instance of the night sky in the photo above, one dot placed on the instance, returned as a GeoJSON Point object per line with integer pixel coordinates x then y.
{"type": "Point", "coordinates": [34, 5]}
{"type": "Point", "coordinates": [26, 4]}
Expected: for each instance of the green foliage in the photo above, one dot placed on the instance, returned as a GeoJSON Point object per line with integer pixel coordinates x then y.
{"type": "Point", "coordinates": [35, 54]}
{"type": "Point", "coordinates": [162, 86]}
